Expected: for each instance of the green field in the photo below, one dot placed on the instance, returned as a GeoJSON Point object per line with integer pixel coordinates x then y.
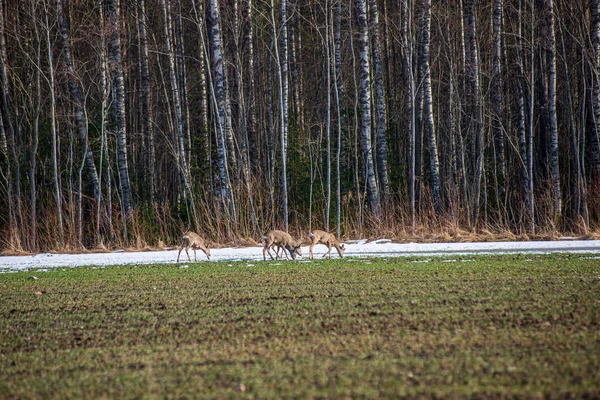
{"type": "Point", "coordinates": [484, 327]}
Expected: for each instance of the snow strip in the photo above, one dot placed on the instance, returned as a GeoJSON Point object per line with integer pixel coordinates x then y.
{"type": "Point", "coordinates": [358, 248]}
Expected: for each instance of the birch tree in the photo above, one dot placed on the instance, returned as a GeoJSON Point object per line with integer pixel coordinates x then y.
{"type": "Point", "coordinates": [365, 108]}
{"type": "Point", "coordinates": [146, 117]}
{"type": "Point", "coordinates": [428, 121]}
{"type": "Point", "coordinates": [220, 94]}
{"type": "Point", "coordinates": [473, 95]}
{"type": "Point", "coordinates": [380, 106]}
{"type": "Point", "coordinates": [497, 97]}
{"type": "Point", "coordinates": [281, 56]}
{"type": "Point", "coordinates": [551, 57]}
{"type": "Point", "coordinates": [118, 102]}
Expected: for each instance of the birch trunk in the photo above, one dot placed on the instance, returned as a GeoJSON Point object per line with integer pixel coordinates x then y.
{"type": "Point", "coordinates": [365, 106]}
{"type": "Point", "coordinates": [283, 101]}
{"type": "Point", "coordinates": [407, 47]}
{"type": "Point", "coordinates": [473, 96]}
{"type": "Point", "coordinates": [284, 93]}
{"type": "Point", "coordinates": [428, 121]}
{"type": "Point", "coordinates": [551, 56]}
{"type": "Point", "coordinates": [380, 106]}
{"type": "Point", "coordinates": [118, 103]}
{"type": "Point", "coordinates": [531, 108]}
{"type": "Point", "coordinates": [199, 19]}
{"type": "Point", "coordinates": [497, 98]}
{"type": "Point", "coordinates": [146, 118]}
{"type": "Point", "coordinates": [522, 117]}
{"type": "Point", "coordinates": [220, 94]}
{"type": "Point", "coordinates": [328, 114]}
{"type": "Point", "coordinates": [339, 92]}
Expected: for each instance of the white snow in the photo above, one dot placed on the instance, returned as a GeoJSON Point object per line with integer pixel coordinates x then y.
{"type": "Point", "coordinates": [355, 248]}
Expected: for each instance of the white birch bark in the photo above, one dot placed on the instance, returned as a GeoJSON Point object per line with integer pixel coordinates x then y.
{"type": "Point", "coordinates": [220, 94]}
{"type": "Point", "coordinates": [551, 55]}
{"type": "Point", "coordinates": [380, 106]}
{"type": "Point", "coordinates": [497, 97]}
{"type": "Point", "coordinates": [365, 106]}
{"type": "Point", "coordinates": [118, 103]}
{"type": "Point", "coordinates": [428, 120]}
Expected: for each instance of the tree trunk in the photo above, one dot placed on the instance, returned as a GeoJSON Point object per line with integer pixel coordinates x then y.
{"type": "Point", "coordinates": [365, 106]}
{"type": "Point", "coordinates": [473, 96]}
{"type": "Point", "coordinates": [35, 135]}
{"type": "Point", "coordinates": [531, 108]}
{"type": "Point", "coordinates": [220, 94]}
{"type": "Point", "coordinates": [380, 106]}
{"type": "Point", "coordinates": [551, 56]}
{"type": "Point", "coordinates": [57, 188]}
{"type": "Point", "coordinates": [522, 117]}
{"type": "Point", "coordinates": [428, 121]}
{"type": "Point", "coordinates": [595, 134]}
{"type": "Point", "coordinates": [146, 118]}
{"type": "Point", "coordinates": [9, 147]}
{"type": "Point", "coordinates": [328, 114]}
{"type": "Point", "coordinates": [497, 98]}
{"type": "Point", "coordinates": [339, 92]}
{"type": "Point", "coordinates": [181, 154]}
{"type": "Point", "coordinates": [283, 102]}
{"type": "Point", "coordinates": [118, 103]}
{"type": "Point", "coordinates": [408, 69]}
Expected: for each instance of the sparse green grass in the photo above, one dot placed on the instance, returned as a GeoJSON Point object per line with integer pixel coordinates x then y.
{"type": "Point", "coordinates": [491, 327]}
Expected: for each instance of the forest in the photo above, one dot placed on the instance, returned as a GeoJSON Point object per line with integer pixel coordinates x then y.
{"type": "Point", "coordinates": [124, 123]}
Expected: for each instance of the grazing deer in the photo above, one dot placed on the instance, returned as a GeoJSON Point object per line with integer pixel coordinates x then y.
{"type": "Point", "coordinates": [194, 241]}
{"type": "Point", "coordinates": [282, 240]}
{"type": "Point", "coordinates": [328, 239]}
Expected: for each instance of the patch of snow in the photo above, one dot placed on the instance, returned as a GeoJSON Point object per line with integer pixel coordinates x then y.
{"type": "Point", "coordinates": [355, 249]}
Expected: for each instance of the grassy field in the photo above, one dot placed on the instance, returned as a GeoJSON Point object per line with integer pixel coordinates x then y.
{"type": "Point", "coordinates": [483, 327]}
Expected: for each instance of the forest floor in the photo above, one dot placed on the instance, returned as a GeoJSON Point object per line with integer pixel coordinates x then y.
{"type": "Point", "coordinates": [484, 326]}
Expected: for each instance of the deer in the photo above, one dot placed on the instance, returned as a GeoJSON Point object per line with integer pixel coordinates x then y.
{"type": "Point", "coordinates": [282, 240]}
{"type": "Point", "coordinates": [193, 240]}
{"type": "Point", "coordinates": [328, 239]}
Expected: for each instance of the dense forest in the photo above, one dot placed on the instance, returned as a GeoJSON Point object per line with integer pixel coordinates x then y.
{"type": "Point", "coordinates": [125, 122]}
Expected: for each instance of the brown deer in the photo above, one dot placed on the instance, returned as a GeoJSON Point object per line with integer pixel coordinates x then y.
{"type": "Point", "coordinates": [193, 240]}
{"type": "Point", "coordinates": [282, 240]}
{"type": "Point", "coordinates": [328, 239]}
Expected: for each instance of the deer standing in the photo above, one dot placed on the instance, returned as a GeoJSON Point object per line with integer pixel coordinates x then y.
{"type": "Point", "coordinates": [193, 240]}
{"type": "Point", "coordinates": [328, 239]}
{"type": "Point", "coordinates": [282, 240]}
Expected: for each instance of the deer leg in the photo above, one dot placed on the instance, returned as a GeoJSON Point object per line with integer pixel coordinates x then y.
{"type": "Point", "coordinates": [310, 251]}
{"type": "Point", "coordinates": [178, 254]}
{"type": "Point", "coordinates": [266, 249]}
{"type": "Point", "coordinates": [195, 258]}
{"type": "Point", "coordinates": [188, 254]}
